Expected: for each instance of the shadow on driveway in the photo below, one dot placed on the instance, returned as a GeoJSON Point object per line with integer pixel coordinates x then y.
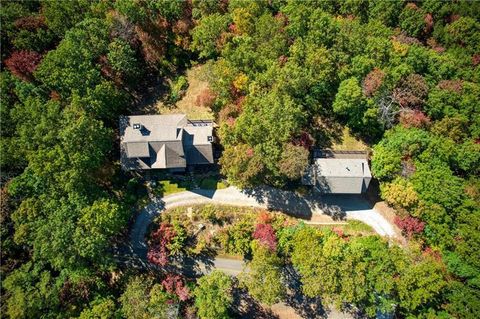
{"type": "Point", "coordinates": [304, 207]}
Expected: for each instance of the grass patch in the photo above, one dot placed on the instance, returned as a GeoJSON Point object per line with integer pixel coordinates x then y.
{"type": "Point", "coordinates": [212, 183]}
{"type": "Point", "coordinates": [349, 142]}
{"type": "Point", "coordinates": [358, 226]}
{"type": "Point", "coordinates": [167, 187]}
{"type": "Point", "coordinates": [351, 227]}
{"type": "Point", "coordinates": [187, 104]}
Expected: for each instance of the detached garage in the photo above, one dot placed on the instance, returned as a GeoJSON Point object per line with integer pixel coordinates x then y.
{"type": "Point", "coordinates": [338, 175]}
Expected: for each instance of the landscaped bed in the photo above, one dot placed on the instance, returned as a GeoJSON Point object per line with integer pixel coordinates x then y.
{"type": "Point", "coordinates": [226, 230]}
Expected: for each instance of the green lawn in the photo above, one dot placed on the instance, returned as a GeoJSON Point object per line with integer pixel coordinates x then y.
{"type": "Point", "coordinates": [167, 186]}
{"type": "Point", "coordinates": [349, 143]}
{"type": "Point", "coordinates": [211, 183]}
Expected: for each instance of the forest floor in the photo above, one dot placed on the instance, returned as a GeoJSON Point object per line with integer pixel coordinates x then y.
{"type": "Point", "coordinates": [188, 103]}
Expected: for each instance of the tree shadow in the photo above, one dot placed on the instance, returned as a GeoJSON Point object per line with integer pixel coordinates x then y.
{"type": "Point", "coordinates": [305, 306]}
{"type": "Point", "coordinates": [246, 307]}
{"type": "Point", "coordinates": [296, 205]}
{"type": "Point", "coordinates": [327, 131]}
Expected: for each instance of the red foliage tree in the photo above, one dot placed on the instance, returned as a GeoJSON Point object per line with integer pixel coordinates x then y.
{"type": "Point", "coordinates": [476, 59]}
{"type": "Point", "coordinates": [174, 284]}
{"type": "Point", "coordinates": [250, 152]}
{"type": "Point", "coordinates": [23, 63]}
{"type": "Point", "coordinates": [428, 23]}
{"type": "Point", "coordinates": [373, 81]}
{"type": "Point", "coordinates": [409, 225]}
{"type": "Point", "coordinates": [158, 251]}
{"type": "Point", "coordinates": [414, 118]}
{"type": "Point", "coordinates": [265, 234]}
{"type": "Point", "coordinates": [30, 23]}
{"type": "Point", "coordinates": [411, 91]}
{"type": "Point", "coordinates": [451, 85]}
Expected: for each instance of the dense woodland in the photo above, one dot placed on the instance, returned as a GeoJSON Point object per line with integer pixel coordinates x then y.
{"type": "Point", "coordinates": [285, 76]}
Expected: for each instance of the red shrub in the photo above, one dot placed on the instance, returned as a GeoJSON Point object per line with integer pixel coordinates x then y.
{"type": "Point", "coordinates": [250, 152]}
{"type": "Point", "coordinates": [23, 63]}
{"type": "Point", "coordinates": [182, 26]}
{"type": "Point", "coordinates": [158, 251]}
{"type": "Point", "coordinates": [405, 39]}
{"type": "Point", "coordinates": [409, 225]}
{"type": "Point", "coordinates": [264, 217]}
{"type": "Point", "coordinates": [265, 234]}
{"type": "Point", "coordinates": [174, 284]}
{"type": "Point", "coordinates": [428, 251]}
{"type": "Point", "coordinates": [305, 140]}
{"type": "Point", "coordinates": [373, 81]}
{"type": "Point", "coordinates": [205, 98]}
{"type": "Point", "coordinates": [54, 95]}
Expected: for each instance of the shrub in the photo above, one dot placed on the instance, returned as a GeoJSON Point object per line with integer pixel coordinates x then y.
{"type": "Point", "coordinates": [174, 284]}
{"type": "Point", "coordinates": [265, 234]}
{"type": "Point", "coordinates": [206, 98]}
{"type": "Point", "coordinates": [409, 225]}
{"type": "Point", "coordinates": [161, 239]}
{"type": "Point", "coordinates": [177, 89]}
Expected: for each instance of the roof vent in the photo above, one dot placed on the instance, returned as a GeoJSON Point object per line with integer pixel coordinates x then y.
{"type": "Point", "coordinates": [210, 138]}
{"type": "Point", "coordinates": [137, 126]}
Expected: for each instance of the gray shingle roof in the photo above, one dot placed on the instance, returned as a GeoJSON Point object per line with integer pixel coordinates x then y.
{"type": "Point", "coordinates": [137, 149]}
{"type": "Point", "coordinates": [163, 141]}
{"type": "Point", "coordinates": [339, 176]}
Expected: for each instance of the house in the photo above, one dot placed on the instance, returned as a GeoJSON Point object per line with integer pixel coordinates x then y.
{"type": "Point", "coordinates": [164, 142]}
{"type": "Point", "coordinates": [339, 173]}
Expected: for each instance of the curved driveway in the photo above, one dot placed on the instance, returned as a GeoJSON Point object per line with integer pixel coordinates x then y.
{"type": "Point", "coordinates": [336, 206]}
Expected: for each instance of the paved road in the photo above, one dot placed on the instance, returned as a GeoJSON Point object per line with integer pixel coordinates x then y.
{"type": "Point", "coordinates": [337, 207]}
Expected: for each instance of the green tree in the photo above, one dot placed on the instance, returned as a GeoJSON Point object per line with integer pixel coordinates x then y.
{"type": "Point", "coordinates": [206, 36]}
{"type": "Point", "coordinates": [213, 295]}
{"type": "Point", "coordinates": [142, 299]}
{"type": "Point", "coordinates": [419, 284]}
{"type": "Point", "coordinates": [61, 16]}
{"type": "Point", "coordinates": [101, 308]}
{"type": "Point", "coordinates": [32, 292]}
{"type": "Point", "coordinates": [412, 20]}
{"type": "Point", "coordinates": [367, 274]}
{"type": "Point", "coordinates": [263, 279]}
{"type": "Point", "coordinates": [349, 102]}
{"type": "Point", "coordinates": [122, 58]}
{"type": "Point", "coordinates": [242, 165]}
{"type": "Point", "coordinates": [294, 161]}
